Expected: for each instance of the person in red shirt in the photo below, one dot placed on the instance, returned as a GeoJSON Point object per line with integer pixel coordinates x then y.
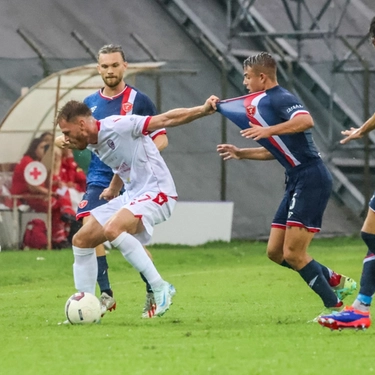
{"type": "Point", "coordinates": [70, 174]}
{"type": "Point", "coordinates": [62, 211]}
{"type": "Point", "coordinates": [70, 179]}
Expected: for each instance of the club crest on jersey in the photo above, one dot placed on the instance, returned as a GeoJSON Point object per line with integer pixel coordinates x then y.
{"type": "Point", "coordinates": [83, 204]}
{"type": "Point", "coordinates": [127, 107]}
{"type": "Point", "coordinates": [111, 144]}
{"type": "Point", "coordinates": [251, 110]}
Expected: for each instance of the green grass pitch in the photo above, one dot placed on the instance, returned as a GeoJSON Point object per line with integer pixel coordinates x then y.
{"type": "Point", "coordinates": [235, 312]}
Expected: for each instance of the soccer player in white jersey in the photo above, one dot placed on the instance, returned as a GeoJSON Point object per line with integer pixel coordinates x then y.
{"type": "Point", "coordinates": [127, 221]}
{"type": "Point", "coordinates": [116, 97]}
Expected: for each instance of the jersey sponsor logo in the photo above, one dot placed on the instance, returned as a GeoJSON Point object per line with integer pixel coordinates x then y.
{"type": "Point", "coordinates": [123, 168]}
{"type": "Point", "coordinates": [251, 110]}
{"type": "Point", "coordinates": [293, 107]}
{"type": "Point", "coordinates": [83, 203]}
{"type": "Point", "coordinates": [127, 107]}
{"type": "Point", "coordinates": [111, 144]}
{"type": "Point", "coordinates": [93, 108]}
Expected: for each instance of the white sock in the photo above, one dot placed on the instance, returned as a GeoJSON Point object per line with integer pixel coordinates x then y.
{"type": "Point", "coordinates": [358, 305]}
{"type": "Point", "coordinates": [85, 269]}
{"type": "Point", "coordinates": [135, 254]}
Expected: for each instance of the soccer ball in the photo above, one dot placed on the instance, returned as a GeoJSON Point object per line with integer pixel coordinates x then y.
{"type": "Point", "coordinates": [83, 308]}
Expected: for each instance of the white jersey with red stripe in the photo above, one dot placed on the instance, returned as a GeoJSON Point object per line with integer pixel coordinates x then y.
{"type": "Point", "coordinates": [125, 146]}
{"type": "Point", "coordinates": [128, 102]}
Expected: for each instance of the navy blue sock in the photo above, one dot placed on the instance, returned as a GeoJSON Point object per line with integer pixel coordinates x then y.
{"type": "Point", "coordinates": [325, 270]}
{"type": "Point", "coordinates": [285, 264]}
{"type": "Point", "coordinates": [103, 279]}
{"type": "Point", "coordinates": [148, 286]}
{"type": "Point", "coordinates": [313, 276]}
{"type": "Point", "coordinates": [368, 270]}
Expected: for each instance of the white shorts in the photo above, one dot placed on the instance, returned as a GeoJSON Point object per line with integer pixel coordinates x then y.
{"type": "Point", "coordinates": [152, 208]}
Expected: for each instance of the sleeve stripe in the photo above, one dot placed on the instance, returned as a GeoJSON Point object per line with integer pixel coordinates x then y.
{"type": "Point", "coordinates": [145, 125]}
{"type": "Point", "coordinates": [301, 112]}
{"type": "Point", "coordinates": [156, 133]}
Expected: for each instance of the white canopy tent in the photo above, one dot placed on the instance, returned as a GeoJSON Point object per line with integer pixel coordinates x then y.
{"type": "Point", "coordinates": [34, 112]}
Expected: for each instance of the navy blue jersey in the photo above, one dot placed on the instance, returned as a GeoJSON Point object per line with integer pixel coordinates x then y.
{"type": "Point", "coordinates": [129, 101]}
{"type": "Point", "coordinates": [268, 108]}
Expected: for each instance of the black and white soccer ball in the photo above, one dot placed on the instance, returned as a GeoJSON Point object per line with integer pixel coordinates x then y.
{"type": "Point", "coordinates": [83, 308]}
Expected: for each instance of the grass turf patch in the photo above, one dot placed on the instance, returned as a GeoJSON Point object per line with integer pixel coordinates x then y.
{"type": "Point", "coordinates": [235, 312]}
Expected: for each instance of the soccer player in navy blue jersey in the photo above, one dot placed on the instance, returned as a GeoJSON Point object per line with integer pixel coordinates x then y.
{"type": "Point", "coordinates": [279, 122]}
{"type": "Point", "coordinates": [116, 97]}
{"type": "Point", "coordinates": [358, 314]}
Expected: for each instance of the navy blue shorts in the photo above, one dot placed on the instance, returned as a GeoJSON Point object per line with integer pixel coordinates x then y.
{"type": "Point", "coordinates": [307, 192]}
{"type": "Point", "coordinates": [90, 200]}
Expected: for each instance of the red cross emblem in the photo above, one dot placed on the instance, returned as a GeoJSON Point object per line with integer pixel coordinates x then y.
{"type": "Point", "coordinates": [35, 173]}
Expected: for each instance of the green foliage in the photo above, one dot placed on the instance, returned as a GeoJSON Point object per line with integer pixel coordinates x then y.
{"type": "Point", "coordinates": [235, 312]}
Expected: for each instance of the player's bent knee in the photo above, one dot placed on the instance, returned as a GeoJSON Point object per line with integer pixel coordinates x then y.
{"type": "Point", "coordinates": [84, 241]}
{"type": "Point", "coordinates": [112, 230]}
{"type": "Point", "coordinates": [78, 241]}
{"type": "Point", "coordinates": [114, 227]}
{"type": "Point", "coordinates": [294, 258]}
{"type": "Point", "coordinates": [271, 254]}
{"type": "Point", "coordinates": [275, 256]}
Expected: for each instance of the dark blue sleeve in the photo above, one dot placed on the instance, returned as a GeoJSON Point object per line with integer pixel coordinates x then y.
{"type": "Point", "coordinates": [88, 100]}
{"type": "Point", "coordinates": [143, 105]}
{"type": "Point", "coordinates": [285, 104]}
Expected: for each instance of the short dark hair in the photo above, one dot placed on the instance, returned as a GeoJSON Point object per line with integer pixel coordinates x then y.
{"type": "Point", "coordinates": [111, 48]}
{"type": "Point", "coordinates": [264, 59]}
{"type": "Point", "coordinates": [262, 62]}
{"type": "Point", "coordinates": [71, 110]}
{"type": "Point", "coordinates": [372, 28]}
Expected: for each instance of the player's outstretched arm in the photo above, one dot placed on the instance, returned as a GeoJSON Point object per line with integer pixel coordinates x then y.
{"type": "Point", "coordinates": [180, 116]}
{"type": "Point", "coordinates": [228, 151]}
{"type": "Point", "coordinates": [356, 133]}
